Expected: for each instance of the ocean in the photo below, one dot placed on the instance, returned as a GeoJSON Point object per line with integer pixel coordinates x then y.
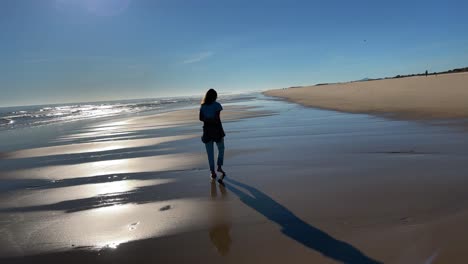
{"type": "Point", "coordinates": [29, 116]}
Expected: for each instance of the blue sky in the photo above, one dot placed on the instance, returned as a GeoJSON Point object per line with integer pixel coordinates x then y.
{"type": "Point", "coordinates": [55, 51]}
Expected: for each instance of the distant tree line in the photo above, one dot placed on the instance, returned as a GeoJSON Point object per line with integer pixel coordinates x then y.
{"type": "Point", "coordinates": [458, 70]}
{"type": "Point", "coordinates": [431, 73]}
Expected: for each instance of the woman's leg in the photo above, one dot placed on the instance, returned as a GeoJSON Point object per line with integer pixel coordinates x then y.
{"type": "Point", "coordinates": [220, 146]}
{"type": "Point", "coordinates": [210, 153]}
{"type": "Point", "coordinates": [220, 162]}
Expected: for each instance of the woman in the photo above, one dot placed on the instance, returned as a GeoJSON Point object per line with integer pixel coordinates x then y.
{"type": "Point", "coordinates": [210, 111]}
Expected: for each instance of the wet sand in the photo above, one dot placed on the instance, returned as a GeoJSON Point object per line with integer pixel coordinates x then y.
{"type": "Point", "coordinates": [303, 186]}
{"type": "Point", "coordinates": [435, 96]}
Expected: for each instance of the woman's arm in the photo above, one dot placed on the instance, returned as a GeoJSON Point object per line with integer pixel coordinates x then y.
{"type": "Point", "coordinates": [201, 116]}
{"type": "Point", "coordinates": [218, 116]}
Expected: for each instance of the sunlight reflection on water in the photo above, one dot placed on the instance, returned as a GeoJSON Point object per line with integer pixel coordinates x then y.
{"type": "Point", "coordinates": [110, 245]}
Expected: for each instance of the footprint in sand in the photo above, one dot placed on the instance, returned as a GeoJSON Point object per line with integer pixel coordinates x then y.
{"type": "Point", "coordinates": [165, 208]}
{"type": "Point", "coordinates": [132, 226]}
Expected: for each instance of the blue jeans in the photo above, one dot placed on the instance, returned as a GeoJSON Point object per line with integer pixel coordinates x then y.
{"type": "Point", "coordinates": [210, 151]}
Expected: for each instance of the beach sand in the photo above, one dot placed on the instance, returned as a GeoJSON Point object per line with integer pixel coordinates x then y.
{"type": "Point", "coordinates": [435, 96]}
{"type": "Point", "coordinates": [303, 186]}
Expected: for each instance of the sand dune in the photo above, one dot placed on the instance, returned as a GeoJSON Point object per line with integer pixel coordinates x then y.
{"type": "Point", "coordinates": [436, 96]}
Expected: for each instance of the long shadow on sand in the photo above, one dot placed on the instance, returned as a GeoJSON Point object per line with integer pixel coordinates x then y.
{"type": "Point", "coordinates": [295, 228]}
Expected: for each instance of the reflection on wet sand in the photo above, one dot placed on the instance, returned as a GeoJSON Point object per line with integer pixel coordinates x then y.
{"type": "Point", "coordinates": [166, 162]}
{"type": "Point", "coordinates": [220, 230]}
{"type": "Point", "coordinates": [92, 196]}
{"type": "Point", "coordinates": [95, 195]}
{"type": "Point", "coordinates": [94, 147]}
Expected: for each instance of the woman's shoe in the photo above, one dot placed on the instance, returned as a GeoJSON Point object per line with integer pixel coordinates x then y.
{"type": "Point", "coordinates": [221, 170]}
{"type": "Point", "coordinates": [213, 176]}
{"type": "Point", "coordinates": [223, 174]}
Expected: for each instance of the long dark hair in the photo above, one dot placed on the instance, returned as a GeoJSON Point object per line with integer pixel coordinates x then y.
{"type": "Point", "coordinates": [210, 97]}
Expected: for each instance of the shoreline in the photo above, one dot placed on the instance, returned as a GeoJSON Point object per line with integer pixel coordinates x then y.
{"type": "Point", "coordinates": [411, 98]}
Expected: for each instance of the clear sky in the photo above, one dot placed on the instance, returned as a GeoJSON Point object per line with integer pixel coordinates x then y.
{"type": "Point", "coordinates": [54, 51]}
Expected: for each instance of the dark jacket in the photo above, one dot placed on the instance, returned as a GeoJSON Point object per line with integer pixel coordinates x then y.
{"type": "Point", "coordinates": [212, 128]}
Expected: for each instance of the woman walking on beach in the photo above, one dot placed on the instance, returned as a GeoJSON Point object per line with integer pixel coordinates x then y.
{"type": "Point", "coordinates": [213, 131]}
